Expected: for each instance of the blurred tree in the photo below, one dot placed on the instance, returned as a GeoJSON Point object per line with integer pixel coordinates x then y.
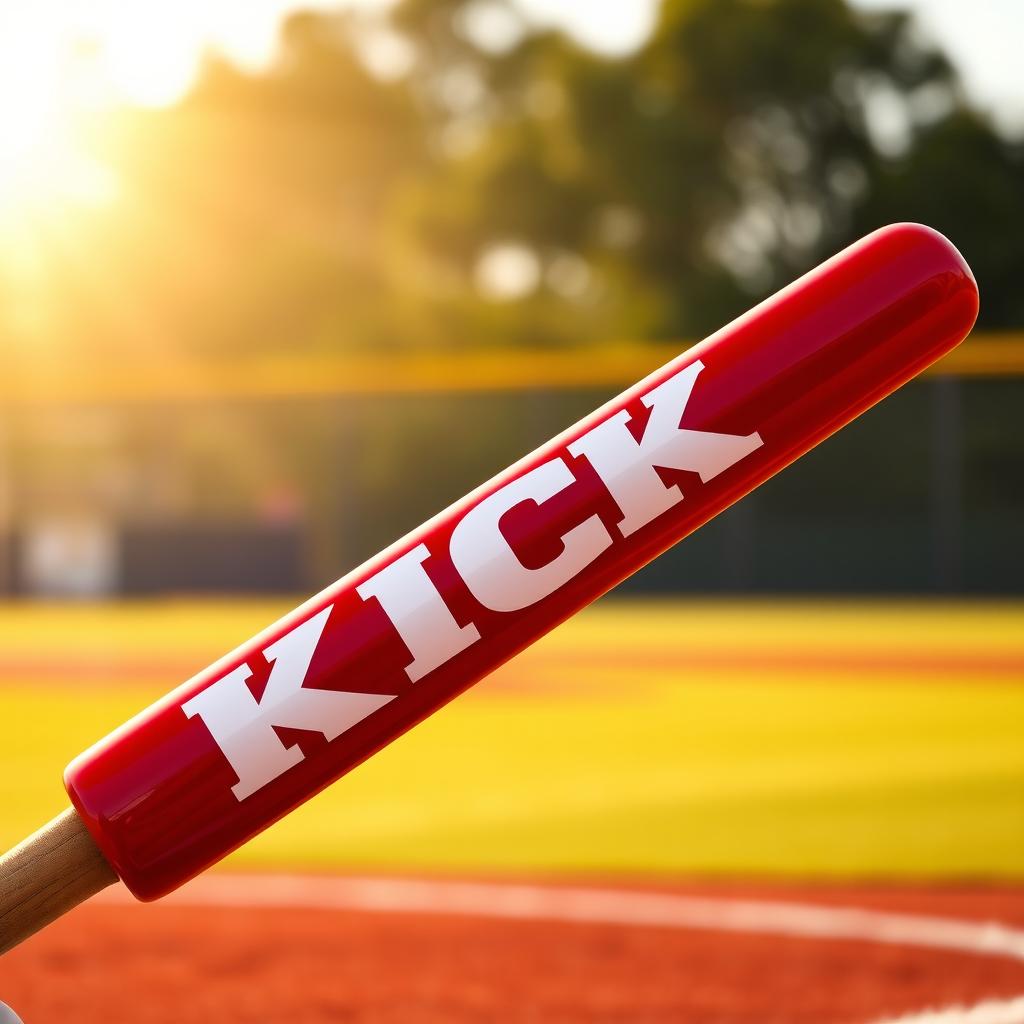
{"type": "Point", "coordinates": [962, 178]}
{"type": "Point", "coordinates": [448, 175]}
{"type": "Point", "coordinates": [662, 193]}
{"type": "Point", "coordinates": [251, 216]}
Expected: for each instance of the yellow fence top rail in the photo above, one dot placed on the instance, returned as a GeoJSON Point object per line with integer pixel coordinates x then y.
{"type": "Point", "coordinates": [483, 370]}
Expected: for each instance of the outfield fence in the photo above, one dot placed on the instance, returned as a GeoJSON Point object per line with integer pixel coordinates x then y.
{"type": "Point", "coordinates": [281, 474]}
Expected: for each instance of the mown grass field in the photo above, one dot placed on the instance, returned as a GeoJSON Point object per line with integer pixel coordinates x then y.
{"type": "Point", "coordinates": [808, 739]}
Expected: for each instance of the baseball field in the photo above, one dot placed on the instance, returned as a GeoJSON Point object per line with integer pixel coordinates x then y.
{"type": "Point", "coordinates": [665, 811]}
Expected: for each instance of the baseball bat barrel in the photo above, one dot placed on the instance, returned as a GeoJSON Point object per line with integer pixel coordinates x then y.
{"type": "Point", "coordinates": [232, 750]}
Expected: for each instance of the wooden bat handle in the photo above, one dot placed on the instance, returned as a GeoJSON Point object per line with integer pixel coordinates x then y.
{"type": "Point", "coordinates": [52, 871]}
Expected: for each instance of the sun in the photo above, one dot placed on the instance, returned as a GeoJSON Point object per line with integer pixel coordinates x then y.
{"type": "Point", "coordinates": [28, 121]}
{"type": "Point", "coordinates": [65, 62]}
{"type": "Point", "coordinates": [30, 116]}
{"type": "Point", "coordinates": [72, 73]}
{"type": "Point", "coordinates": [41, 163]}
{"type": "Point", "coordinates": [73, 76]}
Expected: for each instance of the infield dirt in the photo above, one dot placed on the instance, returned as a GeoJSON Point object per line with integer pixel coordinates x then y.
{"type": "Point", "coordinates": [174, 963]}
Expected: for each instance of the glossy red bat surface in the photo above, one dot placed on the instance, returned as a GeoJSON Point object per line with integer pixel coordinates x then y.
{"type": "Point", "coordinates": [197, 774]}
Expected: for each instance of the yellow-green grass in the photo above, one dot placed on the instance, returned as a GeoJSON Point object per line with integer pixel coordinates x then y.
{"type": "Point", "coordinates": [810, 739]}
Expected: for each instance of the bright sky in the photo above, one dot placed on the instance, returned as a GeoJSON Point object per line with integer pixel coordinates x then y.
{"type": "Point", "coordinates": [984, 37]}
{"type": "Point", "coordinates": [148, 52]}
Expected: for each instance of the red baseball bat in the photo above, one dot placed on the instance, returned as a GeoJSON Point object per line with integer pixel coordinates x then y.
{"type": "Point", "coordinates": [203, 770]}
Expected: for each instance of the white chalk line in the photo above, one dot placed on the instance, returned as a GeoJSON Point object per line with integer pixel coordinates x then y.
{"type": "Point", "coordinates": [582, 905]}
{"type": "Point", "coordinates": [992, 1011]}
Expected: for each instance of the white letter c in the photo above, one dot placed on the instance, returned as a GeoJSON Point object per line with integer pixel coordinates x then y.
{"type": "Point", "coordinates": [491, 569]}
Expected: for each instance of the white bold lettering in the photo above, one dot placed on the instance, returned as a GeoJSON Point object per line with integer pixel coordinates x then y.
{"type": "Point", "coordinates": [627, 466]}
{"type": "Point", "coordinates": [244, 728]}
{"type": "Point", "coordinates": [424, 622]}
{"type": "Point", "coordinates": [488, 564]}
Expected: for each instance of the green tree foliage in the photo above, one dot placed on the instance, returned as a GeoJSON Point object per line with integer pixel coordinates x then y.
{"type": "Point", "coordinates": [743, 143]}
{"type": "Point", "coordinates": [498, 184]}
{"type": "Point", "coordinates": [447, 175]}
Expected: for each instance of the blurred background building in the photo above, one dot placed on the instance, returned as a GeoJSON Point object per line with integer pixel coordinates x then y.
{"type": "Point", "coordinates": [273, 293]}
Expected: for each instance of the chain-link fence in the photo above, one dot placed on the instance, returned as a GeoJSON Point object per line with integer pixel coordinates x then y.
{"type": "Point", "coordinates": [284, 489]}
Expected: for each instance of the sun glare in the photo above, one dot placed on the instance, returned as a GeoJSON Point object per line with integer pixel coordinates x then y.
{"type": "Point", "coordinates": [28, 110]}
{"type": "Point", "coordinates": [62, 61]}
{"type": "Point", "coordinates": [68, 71]}
{"type": "Point", "coordinates": [30, 115]}
{"type": "Point", "coordinates": [41, 166]}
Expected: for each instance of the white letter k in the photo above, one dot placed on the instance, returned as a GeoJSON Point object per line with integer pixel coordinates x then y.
{"type": "Point", "coordinates": [244, 728]}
